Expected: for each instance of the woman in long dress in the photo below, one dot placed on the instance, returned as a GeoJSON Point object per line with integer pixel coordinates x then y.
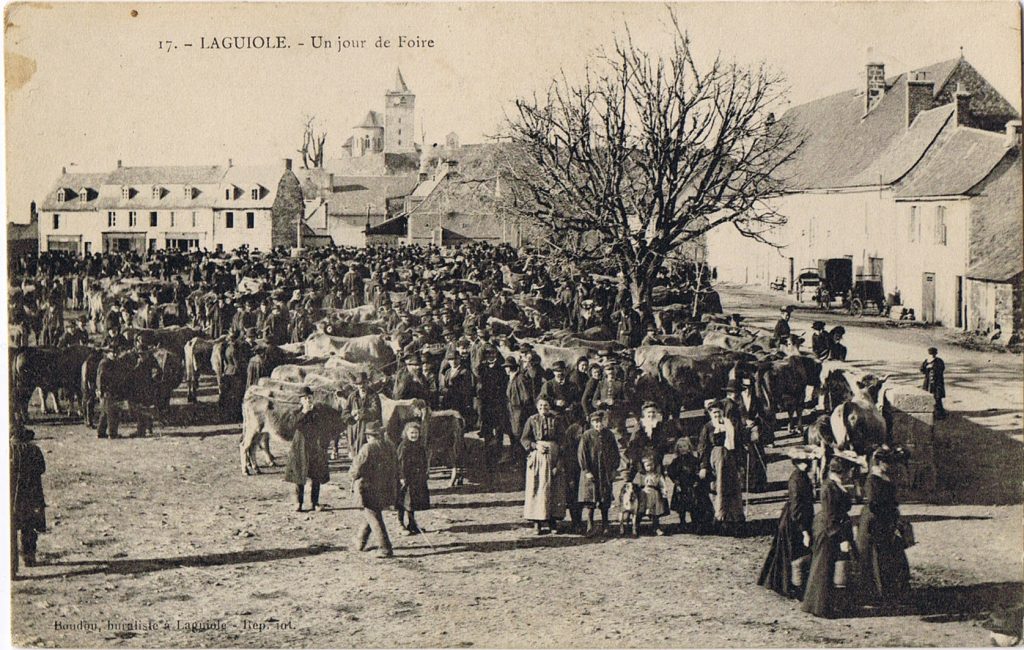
{"type": "Point", "coordinates": [793, 538]}
{"type": "Point", "coordinates": [884, 570]}
{"type": "Point", "coordinates": [718, 450]}
{"type": "Point", "coordinates": [545, 488]}
{"type": "Point", "coordinates": [832, 542]}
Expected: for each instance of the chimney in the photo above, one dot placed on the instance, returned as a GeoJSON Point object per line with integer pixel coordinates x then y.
{"type": "Point", "coordinates": [920, 91]}
{"type": "Point", "coordinates": [963, 106]}
{"type": "Point", "coordinates": [231, 163]}
{"type": "Point", "coordinates": [875, 83]}
{"type": "Point", "coordinates": [63, 170]}
{"type": "Point", "coordinates": [287, 164]}
{"type": "Point", "coordinates": [1013, 133]}
{"type": "Point", "coordinates": [119, 163]}
{"type": "Point", "coordinates": [330, 182]}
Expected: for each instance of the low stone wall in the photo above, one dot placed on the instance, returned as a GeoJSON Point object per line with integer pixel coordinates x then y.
{"type": "Point", "coordinates": [912, 424]}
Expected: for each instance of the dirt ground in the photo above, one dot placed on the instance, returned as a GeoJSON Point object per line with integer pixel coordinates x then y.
{"type": "Point", "coordinates": [163, 542]}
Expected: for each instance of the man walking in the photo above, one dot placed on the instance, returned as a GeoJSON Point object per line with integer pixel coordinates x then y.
{"type": "Point", "coordinates": [934, 371]}
{"type": "Point", "coordinates": [375, 485]}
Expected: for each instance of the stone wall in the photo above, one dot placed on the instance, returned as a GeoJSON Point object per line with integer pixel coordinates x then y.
{"type": "Point", "coordinates": [288, 207]}
{"type": "Point", "coordinates": [912, 425]}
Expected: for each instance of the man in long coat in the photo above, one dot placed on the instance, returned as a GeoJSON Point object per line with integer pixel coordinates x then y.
{"type": "Point", "coordinates": [934, 371]}
{"type": "Point", "coordinates": [307, 460]}
{"type": "Point", "coordinates": [521, 400]}
{"type": "Point", "coordinates": [598, 456]}
{"type": "Point", "coordinates": [28, 505]}
{"type": "Point", "coordinates": [375, 483]}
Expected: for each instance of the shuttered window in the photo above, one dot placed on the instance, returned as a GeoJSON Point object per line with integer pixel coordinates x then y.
{"type": "Point", "coordinates": [939, 236]}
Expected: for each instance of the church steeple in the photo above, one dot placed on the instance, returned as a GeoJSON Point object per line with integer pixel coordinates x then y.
{"type": "Point", "coordinates": [399, 85]}
{"type": "Point", "coordinates": [399, 117]}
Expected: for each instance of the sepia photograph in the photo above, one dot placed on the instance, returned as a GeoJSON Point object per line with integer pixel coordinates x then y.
{"type": "Point", "coordinates": [514, 325]}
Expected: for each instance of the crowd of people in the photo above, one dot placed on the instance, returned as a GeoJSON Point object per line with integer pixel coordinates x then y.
{"type": "Point", "coordinates": [584, 435]}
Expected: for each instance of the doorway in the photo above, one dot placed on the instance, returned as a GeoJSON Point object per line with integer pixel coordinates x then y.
{"type": "Point", "coordinates": [928, 298]}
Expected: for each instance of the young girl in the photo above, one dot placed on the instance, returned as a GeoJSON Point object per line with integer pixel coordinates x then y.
{"type": "Point", "coordinates": [414, 494]}
{"type": "Point", "coordinates": [656, 490]}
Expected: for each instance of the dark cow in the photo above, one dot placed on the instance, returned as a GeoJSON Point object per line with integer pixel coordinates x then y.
{"type": "Point", "coordinates": [143, 379]}
{"type": "Point", "coordinates": [698, 372]}
{"type": "Point", "coordinates": [52, 370]}
{"type": "Point", "coordinates": [783, 386]}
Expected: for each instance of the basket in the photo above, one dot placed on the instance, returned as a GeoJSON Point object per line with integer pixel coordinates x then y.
{"type": "Point", "coordinates": [841, 576]}
{"type": "Point", "coordinates": [799, 569]}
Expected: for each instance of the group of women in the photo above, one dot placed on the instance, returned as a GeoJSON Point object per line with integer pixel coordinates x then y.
{"type": "Point", "coordinates": [822, 560]}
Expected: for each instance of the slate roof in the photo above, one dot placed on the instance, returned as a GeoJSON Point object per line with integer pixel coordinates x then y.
{"type": "Point", "coordinates": [373, 119]}
{"type": "Point", "coordinates": [395, 226]}
{"type": "Point", "coordinates": [74, 182]}
{"type": "Point", "coordinates": [399, 86]}
{"type": "Point", "coordinates": [959, 163]}
{"type": "Point", "coordinates": [351, 194]}
{"type": "Point", "coordinates": [844, 147]}
{"type": "Point", "coordinates": [997, 223]}
{"type": "Point", "coordinates": [169, 175]}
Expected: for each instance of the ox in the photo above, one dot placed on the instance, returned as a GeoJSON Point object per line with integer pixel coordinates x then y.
{"type": "Point", "coordinates": [698, 372]}
{"type": "Point", "coordinates": [783, 385]}
{"type": "Point", "coordinates": [442, 431]}
{"type": "Point", "coordinates": [273, 411]}
{"type": "Point", "coordinates": [373, 349]}
{"type": "Point", "coordinates": [53, 371]}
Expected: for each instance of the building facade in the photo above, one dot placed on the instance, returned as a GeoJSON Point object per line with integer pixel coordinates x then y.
{"type": "Point", "coordinates": [184, 207]}
{"type": "Point", "coordinates": [888, 177]}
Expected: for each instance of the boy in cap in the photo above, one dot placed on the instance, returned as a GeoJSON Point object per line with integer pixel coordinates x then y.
{"type": "Point", "coordinates": [598, 456]}
{"type": "Point", "coordinates": [782, 329]}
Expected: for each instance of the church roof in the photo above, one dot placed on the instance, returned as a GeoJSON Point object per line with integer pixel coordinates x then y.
{"type": "Point", "coordinates": [373, 119]}
{"type": "Point", "coordinates": [399, 85]}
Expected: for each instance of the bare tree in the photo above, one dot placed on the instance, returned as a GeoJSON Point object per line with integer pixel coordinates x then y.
{"type": "Point", "coordinates": [645, 154]}
{"type": "Point", "coordinates": [312, 144]}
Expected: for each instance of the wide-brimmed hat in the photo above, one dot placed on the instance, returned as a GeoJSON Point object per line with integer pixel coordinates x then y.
{"type": "Point", "coordinates": [511, 362]}
{"type": "Point", "coordinates": [786, 308]}
{"type": "Point", "coordinates": [818, 325]}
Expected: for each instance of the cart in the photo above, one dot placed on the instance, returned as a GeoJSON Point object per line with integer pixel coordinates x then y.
{"type": "Point", "coordinates": [866, 291]}
{"type": "Point", "coordinates": [807, 283]}
{"type": "Point", "coordinates": [836, 281]}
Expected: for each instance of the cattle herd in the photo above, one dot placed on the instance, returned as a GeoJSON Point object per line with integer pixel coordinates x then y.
{"type": "Point", "coordinates": [118, 331]}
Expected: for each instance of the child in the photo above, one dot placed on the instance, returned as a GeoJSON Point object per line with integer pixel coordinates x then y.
{"type": "Point", "coordinates": [655, 491]}
{"type": "Point", "coordinates": [414, 494]}
{"type": "Point", "coordinates": [690, 494]}
{"type": "Point", "coordinates": [598, 455]}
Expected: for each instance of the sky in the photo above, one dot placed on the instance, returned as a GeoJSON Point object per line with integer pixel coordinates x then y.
{"type": "Point", "coordinates": [89, 84]}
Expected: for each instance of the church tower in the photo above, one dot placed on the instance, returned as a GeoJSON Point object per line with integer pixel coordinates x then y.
{"type": "Point", "coordinates": [399, 117]}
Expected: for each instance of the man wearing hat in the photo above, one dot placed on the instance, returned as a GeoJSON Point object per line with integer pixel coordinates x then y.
{"type": "Point", "coordinates": [409, 382]}
{"type": "Point", "coordinates": [375, 483]}
{"type": "Point", "coordinates": [562, 394]}
{"type": "Point", "coordinates": [307, 460]}
{"type": "Point", "coordinates": [820, 341]}
{"type": "Point", "coordinates": [106, 390]}
{"type": "Point", "coordinates": [365, 409]}
{"type": "Point", "coordinates": [934, 370]}
{"type": "Point", "coordinates": [521, 400]}
{"type": "Point", "coordinates": [492, 402]}
{"type": "Point", "coordinates": [28, 504]}
{"type": "Point", "coordinates": [781, 332]}
{"type": "Point", "coordinates": [598, 456]}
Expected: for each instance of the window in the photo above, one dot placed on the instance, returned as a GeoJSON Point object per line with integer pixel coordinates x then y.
{"type": "Point", "coordinates": [939, 236]}
{"type": "Point", "coordinates": [172, 219]}
{"type": "Point", "coordinates": [111, 219]}
{"type": "Point", "coordinates": [250, 220]}
{"type": "Point", "coordinates": [132, 218]}
{"type": "Point", "coordinates": [83, 196]}
{"type": "Point", "coordinates": [62, 195]}
{"type": "Point", "coordinates": [126, 193]}
{"type": "Point", "coordinates": [228, 192]}
{"type": "Point", "coordinates": [915, 225]}
{"type": "Point", "coordinates": [157, 192]}
{"type": "Point", "coordinates": [229, 219]}
{"type": "Point", "coordinates": [194, 219]}
{"type": "Point", "coordinates": [188, 192]}
{"type": "Point", "coordinates": [255, 194]}
{"type": "Point", "coordinates": [152, 219]}
{"type": "Point", "coordinates": [56, 221]}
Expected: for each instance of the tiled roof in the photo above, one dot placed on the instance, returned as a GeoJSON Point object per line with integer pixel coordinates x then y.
{"type": "Point", "coordinates": [351, 194]}
{"type": "Point", "coordinates": [168, 175]}
{"type": "Point", "coordinates": [955, 165]}
{"type": "Point", "coordinates": [906, 150]}
{"type": "Point", "coordinates": [997, 223]}
{"type": "Point", "coordinates": [844, 147]}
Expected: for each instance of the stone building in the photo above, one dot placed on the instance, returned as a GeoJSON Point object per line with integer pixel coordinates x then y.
{"type": "Point", "coordinates": [184, 207]}
{"type": "Point", "coordinates": [892, 176]}
{"type": "Point", "coordinates": [390, 132]}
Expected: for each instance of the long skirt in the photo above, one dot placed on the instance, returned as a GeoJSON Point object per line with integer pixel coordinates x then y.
{"type": "Point", "coordinates": [777, 572]}
{"type": "Point", "coordinates": [884, 570]}
{"type": "Point", "coordinates": [545, 486]}
{"type": "Point", "coordinates": [728, 499]}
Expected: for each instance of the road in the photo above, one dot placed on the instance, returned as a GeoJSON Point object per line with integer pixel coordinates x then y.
{"type": "Point", "coordinates": [163, 542]}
